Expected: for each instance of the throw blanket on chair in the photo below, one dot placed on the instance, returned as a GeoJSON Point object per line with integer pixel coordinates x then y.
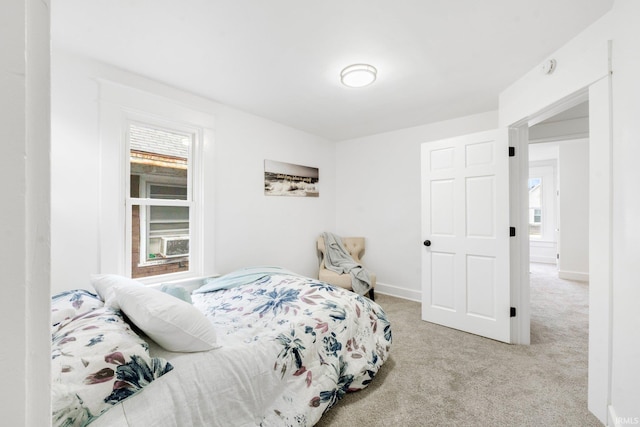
{"type": "Point", "coordinates": [338, 259]}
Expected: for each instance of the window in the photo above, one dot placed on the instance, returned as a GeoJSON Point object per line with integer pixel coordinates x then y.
{"type": "Point", "coordinates": [152, 200]}
{"type": "Point", "coordinates": [535, 207]}
{"type": "Point", "coordinates": [537, 215]}
{"type": "Point", "coordinates": [161, 224]}
{"type": "Point", "coordinates": [160, 200]}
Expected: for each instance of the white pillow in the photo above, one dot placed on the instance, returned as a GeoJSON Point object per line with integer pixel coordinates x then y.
{"type": "Point", "coordinates": [106, 284]}
{"type": "Point", "coordinates": [174, 324]}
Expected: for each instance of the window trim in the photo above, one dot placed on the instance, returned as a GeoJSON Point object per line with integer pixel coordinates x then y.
{"type": "Point", "coordinates": [130, 98]}
{"type": "Point", "coordinates": [193, 201]}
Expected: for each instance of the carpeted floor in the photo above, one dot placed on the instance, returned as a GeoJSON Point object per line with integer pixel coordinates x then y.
{"type": "Point", "coordinates": [437, 376]}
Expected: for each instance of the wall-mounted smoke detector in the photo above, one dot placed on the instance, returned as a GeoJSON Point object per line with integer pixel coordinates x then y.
{"type": "Point", "coordinates": [549, 66]}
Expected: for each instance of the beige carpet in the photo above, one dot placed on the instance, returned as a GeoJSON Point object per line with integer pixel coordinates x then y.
{"type": "Point", "coordinates": [442, 377]}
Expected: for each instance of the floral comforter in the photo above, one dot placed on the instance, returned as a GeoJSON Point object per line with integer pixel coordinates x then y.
{"type": "Point", "coordinates": [327, 341]}
{"type": "Point", "coordinates": [289, 348]}
{"type": "Point", "coordinates": [97, 361]}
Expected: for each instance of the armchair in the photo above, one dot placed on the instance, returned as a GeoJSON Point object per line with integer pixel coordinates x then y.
{"type": "Point", "coordinates": [355, 247]}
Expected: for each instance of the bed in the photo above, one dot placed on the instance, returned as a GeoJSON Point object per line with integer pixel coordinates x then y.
{"type": "Point", "coordinates": [274, 349]}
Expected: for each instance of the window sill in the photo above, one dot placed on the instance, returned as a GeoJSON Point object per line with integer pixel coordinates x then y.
{"type": "Point", "coordinates": [163, 261]}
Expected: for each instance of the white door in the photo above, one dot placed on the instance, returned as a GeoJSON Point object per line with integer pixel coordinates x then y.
{"type": "Point", "coordinates": [465, 224]}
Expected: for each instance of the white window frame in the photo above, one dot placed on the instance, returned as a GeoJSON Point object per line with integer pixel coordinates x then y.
{"type": "Point", "coordinates": [120, 105]}
{"type": "Point", "coordinates": [145, 231]}
{"type": "Point", "coordinates": [144, 185]}
{"type": "Point", "coordinates": [192, 202]}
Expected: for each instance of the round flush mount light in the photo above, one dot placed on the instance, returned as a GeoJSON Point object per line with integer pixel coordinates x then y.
{"type": "Point", "coordinates": [358, 75]}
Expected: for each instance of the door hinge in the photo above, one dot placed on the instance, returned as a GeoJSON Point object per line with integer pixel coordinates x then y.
{"type": "Point", "coordinates": [512, 151]}
{"type": "Point", "coordinates": [512, 312]}
{"type": "Point", "coordinates": [512, 231]}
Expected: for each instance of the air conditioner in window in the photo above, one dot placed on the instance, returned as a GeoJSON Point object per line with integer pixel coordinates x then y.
{"type": "Point", "coordinates": [173, 247]}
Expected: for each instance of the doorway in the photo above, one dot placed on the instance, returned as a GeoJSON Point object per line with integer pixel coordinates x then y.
{"type": "Point", "coordinates": [558, 185]}
{"type": "Point", "coordinates": [543, 203]}
{"type": "Point", "coordinates": [599, 219]}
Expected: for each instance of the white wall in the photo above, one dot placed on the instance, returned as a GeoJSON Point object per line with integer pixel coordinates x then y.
{"type": "Point", "coordinates": [13, 224]}
{"type": "Point", "coordinates": [24, 217]}
{"type": "Point", "coordinates": [75, 190]}
{"type": "Point", "coordinates": [246, 227]}
{"type": "Point", "coordinates": [378, 197]}
{"type": "Point", "coordinates": [625, 392]}
{"type": "Point", "coordinates": [544, 151]}
{"type": "Point", "coordinates": [614, 343]}
{"type": "Point", "coordinates": [574, 210]}
{"type": "Point", "coordinates": [572, 160]}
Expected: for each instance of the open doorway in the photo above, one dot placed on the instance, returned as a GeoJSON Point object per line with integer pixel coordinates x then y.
{"type": "Point", "coordinates": [558, 238]}
{"type": "Point", "coordinates": [558, 185]}
{"type": "Point", "coordinates": [524, 107]}
{"type": "Point", "coordinates": [543, 203]}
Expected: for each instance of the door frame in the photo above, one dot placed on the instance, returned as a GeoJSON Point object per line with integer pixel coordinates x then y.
{"type": "Point", "coordinates": [519, 210]}
{"type": "Point", "coordinates": [598, 93]}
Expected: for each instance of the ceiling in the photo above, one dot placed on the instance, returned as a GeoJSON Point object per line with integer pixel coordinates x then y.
{"type": "Point", "coordinates": [281, 59]}
{"type": "Point", "coordinates": [578, 111]}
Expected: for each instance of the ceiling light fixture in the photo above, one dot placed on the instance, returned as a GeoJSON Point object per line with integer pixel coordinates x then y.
{"type": "Point", "coordinates": [358, 75]}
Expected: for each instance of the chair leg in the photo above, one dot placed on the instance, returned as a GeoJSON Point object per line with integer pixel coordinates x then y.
{"type": "Point", "coordinates": [371, 295]}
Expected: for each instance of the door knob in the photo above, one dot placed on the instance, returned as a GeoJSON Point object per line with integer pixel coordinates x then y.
{"type": "Point", "coordinates": [427, 242]}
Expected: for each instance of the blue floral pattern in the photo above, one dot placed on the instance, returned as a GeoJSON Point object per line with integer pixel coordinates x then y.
{"type": "Point", "coordinates": [96, 360]}
{"type": "Point", "coordinates": [69, 304]}
{"type": "Point", "coordinates": [330, 341]}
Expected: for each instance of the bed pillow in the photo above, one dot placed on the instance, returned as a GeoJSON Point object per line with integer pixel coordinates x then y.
{"type": "Point", "coordinates": [97, 361]}
{"type": "Point", "coordinates": [106, 284]}
{"type": "Point", "coordinates": [172, 323]}
{"type": "Point", "coordinates": [69, 304]}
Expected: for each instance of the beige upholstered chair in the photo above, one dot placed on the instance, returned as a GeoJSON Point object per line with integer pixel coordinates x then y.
{"type": "Point", "coordinates": [355, 247]}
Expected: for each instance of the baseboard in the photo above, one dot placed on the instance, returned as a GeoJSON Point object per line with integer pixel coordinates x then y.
{"type": "Point", "coordinates": [398, 292]}
{"type": "Point", "coordinates": [573, 275]}
{"type": "Point", "coordinates": [615, 421]}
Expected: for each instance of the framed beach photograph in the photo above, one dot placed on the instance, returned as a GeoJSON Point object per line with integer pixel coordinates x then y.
{"type": "Point", "coordinates": [288, 179]}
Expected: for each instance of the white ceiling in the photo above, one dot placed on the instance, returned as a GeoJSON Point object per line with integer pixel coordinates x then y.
{"type": "Point", "coordinates": [281, 59]}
